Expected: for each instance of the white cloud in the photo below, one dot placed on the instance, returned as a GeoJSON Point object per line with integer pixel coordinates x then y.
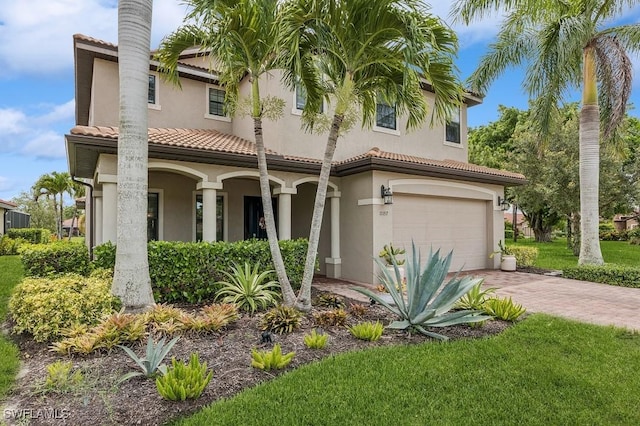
{"type": "Point", "coordinates": [12, 121]}
{"type": "Point", "coordinates": [5, 183]}
{"type": "Point", "coordinates": [41, 43]}
{"type": "Point", "coordinates": [47, 144]}
{"type": "Point", "coordinates": [64, 112]}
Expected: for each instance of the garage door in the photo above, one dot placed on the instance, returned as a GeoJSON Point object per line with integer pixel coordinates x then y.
{"type": "Point", "coordinates": [446, 223]}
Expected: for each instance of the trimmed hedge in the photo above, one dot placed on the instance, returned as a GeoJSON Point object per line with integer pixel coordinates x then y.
{"type": "Point", "coordinates": [10, 246]}
{"type": "Point", "coordinates": [187, 272]}
{"type": "Point", "coordinates": [31, 235]}
{"type": "Point", "coordinates": [525, 256]}
{"type": "Point", "coordinates": [41, 260]}
{"type": "Point", "coordinates": [623, 276]}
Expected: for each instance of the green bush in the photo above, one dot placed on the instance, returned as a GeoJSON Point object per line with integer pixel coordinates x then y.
{"type": "Point", "coordinates": [613, 235]}
{"type": "Point", "coordinates": [184, 380]}
{"type": "Point", "coordinates": [45, 307]}
{"type": "Point", "coordinates": [188, 272]}
{"type": "Point", "coordinates": [525, 256]}
{"type": "Point", "coordinates": [623, 276]}
{"type": "Point", "coordinates": [508, 234]}
{"type": "Point", "coordinates": [41, 260]}
{"type": "Point", "coordinates": [10, 246]}
{"type": "Point", "coordinates": [32, 235]}
{"type": "Point", "coordinates": [633, 236]}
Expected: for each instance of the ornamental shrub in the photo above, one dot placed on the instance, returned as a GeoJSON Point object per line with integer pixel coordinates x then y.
{"type": "Point", "coordinates": [525, 256]}
{"type": "Point", "coordinates": [188, 272]}
{"type": "Point", "coordinates": [10, 246]}
{"type": "Point", "coordinates": [41, 260]}
{"type": "Point", "coordinates": [45, 307]}
{"type": "Point", "coordinates": [623, 276]}
{"type": "Point", "coordinates": [31, 235]}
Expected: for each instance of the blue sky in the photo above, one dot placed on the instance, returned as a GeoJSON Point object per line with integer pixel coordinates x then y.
{"type": "Point", "coordinates": [36, 82]}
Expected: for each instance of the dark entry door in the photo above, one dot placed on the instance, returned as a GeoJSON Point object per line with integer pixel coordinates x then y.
{"type": "Point", "coordinates": [254, 224]}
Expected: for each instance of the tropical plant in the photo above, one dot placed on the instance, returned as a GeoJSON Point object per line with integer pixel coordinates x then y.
{"type": "Point", "coordinates": [241, 37]}
{"type": "Point", "coordinates": [330, 300]}
{"type": "Point", "coordinates": [566, 44]}
{"type": "Point", "coordinates": [504, 309]}
{"type": "Point", "coordinates": [281, 319]}
{"type": "Point", "coordinates": [248, 288]}
{"type": "Point", "coordinates": [502, 250]}
{"type": "Point", "coordinates": [315, 340]}
{"type": "Point", "coordinates": [358, 309]}
{"type": "Point", "coordinates": [390, 255]}
{"type": "Point", "coordinates": [271, 360]}
{"type": "Point", "coordinates": [426, 302]}
{"type": "Point", "coordinates": [131, 281]}
{"type": "Point", "coordinates": [370, 331]}
{"type": "Point", "coordinates": [184, 381]}
{"type": "Point", "coordinates": [475, 298]}
{"type": "Point", "coordinates": [150, 364]}
{"type": "Point", "coordinates": [356, 52]}
{"type": "Point", "coordinates": [54, 184]}
{"type": "Point", "coordinates": [331, 318]}
{"type": "Point", "coordinates": [61, 377]}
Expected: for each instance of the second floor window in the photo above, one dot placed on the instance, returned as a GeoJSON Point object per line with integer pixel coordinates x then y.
{"type": "Point", "coordinates": [385, 115]}
{"type": "Point", "coordinates": [216, 102]}
{"type": "Point", "coordinates": [301, 98]}
{"type": "Point", "coordinates": [452, 129]}
{"type": "Point", "coordinates": [152, 90]}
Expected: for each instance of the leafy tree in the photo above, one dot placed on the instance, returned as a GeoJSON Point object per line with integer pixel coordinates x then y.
{"type": "Point", "coordinates": [355, 53]}
{"type": "Point", "coordinates": [241, 37]}
{"type": "Point", "coordinates": [131, 281]}
{"type": "Point", "coordinates": [41, 210]}
{"type": "Point", "coordinates": [566, 44]}
{"type": "Point", "coordinates": [54, 184]}
{"type": "Point", "coordinates": [490, 143]}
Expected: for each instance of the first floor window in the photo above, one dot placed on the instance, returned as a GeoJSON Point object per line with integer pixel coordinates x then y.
{"type": "Point", "coordinates": [385, 115]}
{"type": "Point", "coordinates": [219, 217]}
{"type": "Point", "coordinates": [153, 215]}
{"type": "Point", "coordinates": [216, 102]}
{"type": "Point", "coordinates": [152, 89]}
{"type": "Point", "coordinates": [452, 129]}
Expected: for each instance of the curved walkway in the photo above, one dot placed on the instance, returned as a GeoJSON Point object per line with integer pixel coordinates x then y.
{"type": "Point", "coordinates": [579, 300]}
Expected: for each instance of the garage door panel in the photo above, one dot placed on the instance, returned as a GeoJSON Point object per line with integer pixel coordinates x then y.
{"type": "Point", "coordinates": [445, 224]}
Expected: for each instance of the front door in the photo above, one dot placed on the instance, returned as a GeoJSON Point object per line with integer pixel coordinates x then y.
{"type": "Point", "coordinates": [254, 224]}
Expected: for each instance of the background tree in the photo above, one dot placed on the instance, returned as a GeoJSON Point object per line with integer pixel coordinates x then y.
{"type": "Point", "coordinates": [76, 190]}
{"type": "Point", "coordinates": [41, 210]}
{"type": "Point", "coordinates": [354, 54]}
{"type": "Point", "coordinates": [566, 44]}
{"type": "Point", "coordinates": [241, 38]}
{"type": "Point", "coordinates": [54, 184]}
{"type": "Point", "coordinates": [131, 281]}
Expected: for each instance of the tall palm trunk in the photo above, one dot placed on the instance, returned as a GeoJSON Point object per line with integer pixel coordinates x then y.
{"type": "Point", "coordinates": [61, 216]}
{"type": "Point", "coordinates": [288, 295]}
{"type": "Point", "coordinates": [131, 281]}
{"type": "Point", "coordinates": [589, 164]}
{"type": "Point", "coordinates": [304, 297]}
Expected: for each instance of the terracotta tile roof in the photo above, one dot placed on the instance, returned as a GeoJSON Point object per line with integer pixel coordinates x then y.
{"type": "Point", "coordinates": [92, 40]}
{"type": "Point", "coordinates": [8, 203]}
{"type": "Point", "coordinates": [201, 139]}
{"type": "Point", "coordinates": [444, 164]}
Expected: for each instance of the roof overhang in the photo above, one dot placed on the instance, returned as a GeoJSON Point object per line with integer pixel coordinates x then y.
{"type": "Point", "coordinates": [7, 205]}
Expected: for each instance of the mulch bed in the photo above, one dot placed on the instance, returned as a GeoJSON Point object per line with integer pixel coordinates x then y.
{"type": "Point", "coordinates": [101, 400]}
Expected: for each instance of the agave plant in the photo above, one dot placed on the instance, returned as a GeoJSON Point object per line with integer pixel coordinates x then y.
{"type": "Point", "coordinates": [150, 364]}
{"type": "Point", "coordinates": [426, 302]}
{"type": "Point", "coordinates": [247, 288]}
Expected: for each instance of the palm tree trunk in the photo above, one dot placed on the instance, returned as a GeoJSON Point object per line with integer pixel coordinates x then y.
{"type": "Point", "coordinates": [61, 218]}
{"type": "Point", "coordinates": [304, 297]}
{"type": "Point", "coordinates": [590, 253]}
{"type": "Point", "coordinates": [131, 281]}
{"type": "Point", "coordinates": [288, 296]}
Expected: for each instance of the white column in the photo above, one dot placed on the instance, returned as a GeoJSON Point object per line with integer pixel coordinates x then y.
{"type": "Point", "coordinates": [284, 211]}
{"type": "Point", "coordinates": [209, 193]}
{"type": "Point", "coordinates": [109, 208]}
{"type": "Point", "coordinates": [334, 263]}
{"type": "Point", "coordinates": [96, 223]}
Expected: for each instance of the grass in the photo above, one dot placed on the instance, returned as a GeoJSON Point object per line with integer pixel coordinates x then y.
{"type": "Point", "coordinates": [544, 370]}
{"type": "Point", "coordinates": [11, 273]}
{"type": "Point", "coordinates": [556, 255]}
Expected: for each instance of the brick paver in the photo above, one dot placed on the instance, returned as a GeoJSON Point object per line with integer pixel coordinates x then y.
{"type": "Point", "coordinates": [580, 300]}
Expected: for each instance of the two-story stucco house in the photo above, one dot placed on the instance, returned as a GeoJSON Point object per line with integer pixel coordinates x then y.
{"type": "Point", "coordinates": [203, 177]}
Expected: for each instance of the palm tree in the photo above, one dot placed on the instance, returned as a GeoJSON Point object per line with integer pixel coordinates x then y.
{"type": "Point", "coordinates": [76, 190]}
{"type": "Point", "coordinates": [566, 44]}
{"type": "Point", "coordinates": [240, 35]}
{"type": "Point", "coordinates": [131, 281]}
{"type": "Point", "coordinates": [358, 51]}
{"type": "Point", "coordinates": [54, 184]}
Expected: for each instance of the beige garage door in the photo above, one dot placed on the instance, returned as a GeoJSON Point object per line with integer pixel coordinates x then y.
{"type": "Point", "coordinates": [446, 223]}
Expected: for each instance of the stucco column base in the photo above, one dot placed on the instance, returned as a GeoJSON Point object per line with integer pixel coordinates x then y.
{"type": "Point", "coordinates": [334, 267]}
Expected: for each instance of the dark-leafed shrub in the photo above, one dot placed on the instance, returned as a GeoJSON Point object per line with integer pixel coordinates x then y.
{"type": "Point", "coordinates": [61, 257]}
{"type": "Point", "coordinates": [623, 276]}
{"type": "Point", "coordinates": [188, 272]}
{"type": "Point", "coordinates": [31, 235]}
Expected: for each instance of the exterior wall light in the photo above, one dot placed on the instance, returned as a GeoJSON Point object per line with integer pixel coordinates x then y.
{"type": "Point", "coordinates": [503, 204]}
{"type": "Point", "coordinates": [386, 195]}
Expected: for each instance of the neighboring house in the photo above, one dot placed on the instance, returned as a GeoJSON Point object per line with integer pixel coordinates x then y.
{"type": "Point", "coordinates": [70, 225]}
{"type": "Point", "coordinates": [203, 177]}
{"type": "Point", "coordinates": [521, 222]}
{"type": "Point", "coordinates": [5, 208]}
{"type": "Point", "coordinates": [625, 222]}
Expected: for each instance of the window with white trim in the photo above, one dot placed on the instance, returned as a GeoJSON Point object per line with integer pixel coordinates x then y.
{"type": "Point", "coordinates": [301, 99]}
{"type": "Point", "coordinates": [452, 127]}
{"type": "Point", "coordinates": [216, 102]}
{"type": "Point", "coordinates": [385, 115]}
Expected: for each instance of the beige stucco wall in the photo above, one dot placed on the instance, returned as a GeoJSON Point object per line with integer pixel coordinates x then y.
{"type": "Point", "coordinates": [2, 223]}
{"type": "Point", "coordinates": [301, 213]}
{"type": "Point", "coordinates": [177, 205]}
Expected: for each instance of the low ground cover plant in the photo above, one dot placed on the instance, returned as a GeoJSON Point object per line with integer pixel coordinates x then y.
{"type": "Point", "coordinates": [315, 340]}
{"type": "Point", "coordinates": [61, 377]}
{"type": "Point", "coordinates": [370, 331]}
{"type": "Point", "coordinates": [281, 319]}
{"type": "Point", "coordinates": [503, 308]}
{"type": "Point", "coordinates": [271, 360]}
{"type": "Point", "coordinates": [183, 381]}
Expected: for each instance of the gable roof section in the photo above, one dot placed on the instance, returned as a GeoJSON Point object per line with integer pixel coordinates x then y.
{"type": "Point", "coordinates": [85, 143]}
{"type": "Point", "coordinates": [7, 205]}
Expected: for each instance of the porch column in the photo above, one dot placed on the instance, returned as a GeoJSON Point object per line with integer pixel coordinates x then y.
{"type": "Point", "coordinates": [96, 223]}
{"type": "Point", "coordinates": [284, 211]}
{"type": "Point", "coordinates": [334, 263]}
{"type": "Point", "coordinates": [109, 207]}
{"type": "Point", "coordinates": [209, 216]}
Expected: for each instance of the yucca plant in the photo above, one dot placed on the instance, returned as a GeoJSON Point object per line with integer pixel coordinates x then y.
{"type": "Point", "coordinates": [426, 302]}
{"type": "Point", "coordinates": [247, 288]}
{"type": "Point", "coordinates": [150, 364]}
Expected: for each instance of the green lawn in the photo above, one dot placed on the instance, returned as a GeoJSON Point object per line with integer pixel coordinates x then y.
{"type": "Point", "coordinates": [543, 371]}
{"type": "Point", "coordinates": [10, 274]}
{"type": "Point", "coordinates": [556, 255]}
